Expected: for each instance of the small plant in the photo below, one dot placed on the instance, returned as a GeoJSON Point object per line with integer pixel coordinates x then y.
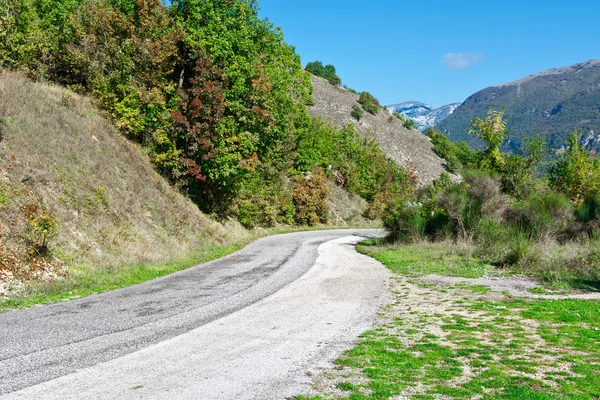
{"type": "Point", "coordinates": [369, 103]}
{"type": "Point", "coordinates": [43, 225]}
{"type": "Point", "coordinates": [350, 89]}
{"type": "Point", "coordinates": [357, 112]}
{"type": "Point", "coordinates": [399, 116]}
{"type": "Point", "coordinates": [409, 124]}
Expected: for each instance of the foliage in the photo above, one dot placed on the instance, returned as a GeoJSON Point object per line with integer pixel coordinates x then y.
{"type": "Point", "coordinates": [43, 225]}
{"type": "Point", "coordinates": [350, 89]}
{"type": "Point", "coordinates": [212, 92]}
{"type": "Point", "coordinates": [409, 124]}
{"type": "Point", "coordinates": [369, 103]}
{"type": "Point", "coordinates": [457, 155]}
{"type": "Point", "coordinates": [577, 172]}
{"type": "Point", "coordinates": [309, 197]}
{"type": "Point", "coordinates": [328, 72]}
{"type": "Point", "coordinates": [492, 131]}
{"type": "Point", "coordinates": [358, 164]}
{"type": "Point", "coordinates": [520, 171]}
{"type": "Point", "coordinates": [357, 112]}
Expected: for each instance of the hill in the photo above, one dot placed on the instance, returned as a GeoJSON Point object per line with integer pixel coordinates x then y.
{"type": "Point", "coordinates": [551, 103]}
{"type": "Point", "coordinates": [424, 115]}
{"type": "Point", "coordinates": [68, 177]}
{"type": "Point", "coordinates": [409, 148]}
{"type": "Point", "coordinates": [63, 163]}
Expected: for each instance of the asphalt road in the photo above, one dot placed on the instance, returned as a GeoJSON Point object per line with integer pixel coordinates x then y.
{"type": "Point", "coordinates": [213, 331]}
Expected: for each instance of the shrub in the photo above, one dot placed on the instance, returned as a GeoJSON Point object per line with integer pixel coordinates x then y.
{"type": "Point", "coordinates": [404, 221]}
{"type": "Point", "coordinates": [357, 112]}
{"type": "Point", "coordinates": [42, 224]}
{"type": "Point", "coordinates": [457, 155]}
{"type": "Point", "coordinates": [328, 71]}
{"type": "Point", "coordinates": [577, 172]}
{"type": "Point", "coordinates": [542, 216]}
{"type": "Point", "coordinates": [369, 103]}
{"type": "Point", "coordinates": [493, 131]}
{"type": "Point", "coordinates": [309, 197]}
{"type": "Point", "coordinates": [409, 124]}
{"type": "Point", "coordinates": [350, 89]}
{"type": "Point", "coordinates": [500, 244]}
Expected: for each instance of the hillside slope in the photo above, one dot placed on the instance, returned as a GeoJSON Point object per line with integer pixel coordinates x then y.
{"type": "Point", "coordinates": [59, 156]}
{"type": "Point", "coordinates": [552, 103]}
{"type": "Point", "coordinates": [410, 148]}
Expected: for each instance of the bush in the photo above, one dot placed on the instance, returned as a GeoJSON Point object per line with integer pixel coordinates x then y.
{"type": "Point", "coordinates": [369, 103]}
{"type": "Point", "coordinates": [404, 222]}
{"type": "Point", "coordinates": [457, 155]}
{"type": "Point", "coordinates": [409, 124]}
{"type": "Point", "coordinates": [357, 112]}
{"type": "Point", "coordinates": [577, 172]}
{"type": "Point", "coordinates": [542, 216]}
{"type": "Point", "coordinates": [500, 244]}
{"type": "Point", "coordinates": [328, 71]}
{"type": "Point", "coordinates": [309, 197]}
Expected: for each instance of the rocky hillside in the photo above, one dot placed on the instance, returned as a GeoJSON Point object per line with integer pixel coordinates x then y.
{"type": "Point", "coordinates": [424, 115]}
{"type": "Point", "coordinates": [410, 148]}
{"type": "Point", "coordinates": [552, 103]}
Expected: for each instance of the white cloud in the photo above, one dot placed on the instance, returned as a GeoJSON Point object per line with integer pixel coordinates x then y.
{"type": "Point", "coordinates": [461, 60]}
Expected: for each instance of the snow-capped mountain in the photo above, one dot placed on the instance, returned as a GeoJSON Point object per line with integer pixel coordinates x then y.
{"type": "Point", "coordinates": [424, 115]}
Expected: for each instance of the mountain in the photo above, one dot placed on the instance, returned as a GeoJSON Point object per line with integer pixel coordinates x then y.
{"type": "Point", "coordinates": [552, 103]}
{"type": "Point", "coordinates": [409, 148]}
{"type": "Point", "coordinates": [424, 115]}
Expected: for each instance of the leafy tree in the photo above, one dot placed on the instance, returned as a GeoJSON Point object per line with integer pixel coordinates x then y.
{"type": "Point", "coordinates": [316, 68]}
{"type": "Point", "coordinates": [328, 71]}
{"type": "Point", "coordinates": [519, 172]}
{"type": "Point", "coordinates": [493, 131]}
{"type": "Point", "coordinates": [577, 172]}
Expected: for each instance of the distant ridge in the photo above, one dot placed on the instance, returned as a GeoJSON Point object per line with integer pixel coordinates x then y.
{"type": "Point", "coordinates": [424, 115]}
{"type": "Point", "coordinates": [551, 103]}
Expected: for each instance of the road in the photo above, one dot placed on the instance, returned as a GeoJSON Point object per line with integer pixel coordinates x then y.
{"type": "Point", "coordinates": [247, 326]}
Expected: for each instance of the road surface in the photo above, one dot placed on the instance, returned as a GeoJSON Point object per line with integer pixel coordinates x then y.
{"type": "Point", "coordinates": [248, 326]}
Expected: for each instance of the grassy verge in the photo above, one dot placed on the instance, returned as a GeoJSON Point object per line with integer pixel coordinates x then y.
{"type": "Point", "coordinates": [420, 259]}
{"type": "Point", "coordinates": [84, 280]}
{"type": "Point", "coordinates": [466, 342]}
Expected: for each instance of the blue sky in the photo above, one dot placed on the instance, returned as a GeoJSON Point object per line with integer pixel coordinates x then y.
{"type": "Point", "coordinates": [437, 52]}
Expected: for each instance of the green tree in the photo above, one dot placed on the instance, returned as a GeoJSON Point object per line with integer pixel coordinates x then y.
{"type": "Point", "coordinates": [328, 72]}
{"type": "Point", "coordinates": [316, 68]}
{"type": "Point", "coordinates": [577, 171]}
{"type": "Point", "coordinates": [493, 131]}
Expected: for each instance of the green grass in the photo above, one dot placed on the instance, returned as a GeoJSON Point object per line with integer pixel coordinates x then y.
{"type": "Point", "coordinates": [503, 349]}
{"type": "Point", "coordinates": [85, 280]}
{"type": "Point", "coordinates": [427, 258]}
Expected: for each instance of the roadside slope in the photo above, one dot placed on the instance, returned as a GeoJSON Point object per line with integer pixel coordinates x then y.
{"type": "Point", "coordinates": [59, 156]}
{"type": "Point", "coordinates": [409, 148]}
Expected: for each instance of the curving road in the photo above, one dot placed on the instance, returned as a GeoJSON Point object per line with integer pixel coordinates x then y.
{"type": "Point", "coordinates": [247, 326]}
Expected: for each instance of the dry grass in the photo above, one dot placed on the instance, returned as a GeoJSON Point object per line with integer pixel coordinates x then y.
{"type": "Point", "coordinates": [59, 152]}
